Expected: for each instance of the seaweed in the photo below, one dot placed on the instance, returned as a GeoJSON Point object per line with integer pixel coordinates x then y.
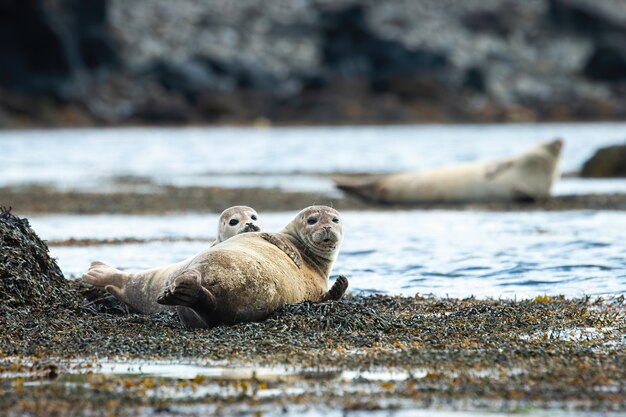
{"type": "Point", "coordinates": [29, 277]}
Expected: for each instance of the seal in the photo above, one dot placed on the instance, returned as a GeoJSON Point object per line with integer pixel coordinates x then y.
{"type": "Point", "coordinates": [232, 221]}
{"type": "Point", "coordinates": [235, 220]}
{"type": "Point", "coordinates": [526, 177]}
{"type": "Point", "coordinates": [244, 278]}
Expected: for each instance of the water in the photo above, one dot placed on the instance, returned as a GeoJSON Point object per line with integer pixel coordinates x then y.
{"type": "Point", "coordinates": [459, 254]}
{"type": "Point", "coordinates": [238, 157]}
{"type": "Point", "coordinates": [446, 253]}
{"type": "Point", "coordinates": [195, 388]}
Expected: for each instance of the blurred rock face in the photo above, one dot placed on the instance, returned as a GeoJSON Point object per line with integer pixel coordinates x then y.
{"type": "Point", "coordinates": [46, 45]}
{"type": "Point", "coordinates": [312, 61]}
{"type": "Point", "coordinates": [606, 162]}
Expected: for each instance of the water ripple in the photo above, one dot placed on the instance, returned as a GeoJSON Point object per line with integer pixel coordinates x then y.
{"type": "Point", "coordinates": [444, 252]}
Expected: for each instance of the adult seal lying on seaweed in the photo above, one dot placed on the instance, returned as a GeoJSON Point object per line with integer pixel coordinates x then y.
{"type": "Point", "coordinates": [526, 177]}
{"type": "Point", "coordinates": [244, 278]}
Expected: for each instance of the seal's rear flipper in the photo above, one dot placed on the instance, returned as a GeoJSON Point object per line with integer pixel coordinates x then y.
{"type": "Point", "coordinates": [101, 275]}
{"type": "Point", "coordinates": [187, 290]}
{"type": "Point", "coordinates": [195, 304]}
{"type": "Point", "coordinates": [366, 189]}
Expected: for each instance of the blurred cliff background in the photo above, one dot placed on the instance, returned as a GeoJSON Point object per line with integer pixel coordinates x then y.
{"type": "Point", "coordinates": [118, 62]}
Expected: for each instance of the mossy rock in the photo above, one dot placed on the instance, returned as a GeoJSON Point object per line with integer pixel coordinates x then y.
{"type": "Point", "coordinates": [29, 277]}
{"type": "Point", "coordinates": [606, 163]}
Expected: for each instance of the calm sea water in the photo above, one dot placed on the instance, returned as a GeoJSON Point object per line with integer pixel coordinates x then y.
{"type": "Point", "coordinates": [440, 252]}
{"type": "Point", "coordinates": [283, 157]}
{"type": "Point", "coordinates": [459, 254]}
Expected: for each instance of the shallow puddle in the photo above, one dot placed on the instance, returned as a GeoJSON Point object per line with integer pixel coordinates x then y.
{"type": "Point", "coordinates": [198, 389]}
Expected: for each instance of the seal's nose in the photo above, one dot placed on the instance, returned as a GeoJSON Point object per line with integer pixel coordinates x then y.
{"type": "Point", "coordinates": [327, 234]}
{"type": "Point", "coordinates": [253, 227]}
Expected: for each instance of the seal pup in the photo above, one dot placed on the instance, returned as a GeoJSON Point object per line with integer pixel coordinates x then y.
{"type": "Point", "coordinates": [244, 278]}
{"type": "Point", "coordinates": [235, 220]}
{"type": "Point", "coordinates": [232, 221]}
{"type": "Point", "coordinates": [526, 177]}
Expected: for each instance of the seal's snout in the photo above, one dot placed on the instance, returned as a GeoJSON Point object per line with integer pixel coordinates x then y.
{"type": "Point", "coordinates": [555, 146]}
{"type": "Point", "coordinates": [326, 235]}
{"type": "Point", "coordinates": [251, 227]}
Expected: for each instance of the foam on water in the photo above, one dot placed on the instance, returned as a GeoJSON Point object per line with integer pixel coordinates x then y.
{"type": "Point", "coordinates": [455, 253]}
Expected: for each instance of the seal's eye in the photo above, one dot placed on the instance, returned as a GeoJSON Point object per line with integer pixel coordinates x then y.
{"type": "Point", "coordinates": [253, 217]}
{"type": "Point", "coordinates": [335, 220]}
{"type": "Point", "coordinates": [233, 222]}
{"type": "Point", "coordinates": [312, 220]}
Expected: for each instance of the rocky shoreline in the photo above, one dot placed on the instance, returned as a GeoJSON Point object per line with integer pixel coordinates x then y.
{"type": "Point", "coordinates": [311, 62]}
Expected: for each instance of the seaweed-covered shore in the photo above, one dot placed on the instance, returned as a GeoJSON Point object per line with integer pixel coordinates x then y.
{"type": "Point", "coordinates": [361, 353]}
{"type": "Point", "coordinates": [499, 354]}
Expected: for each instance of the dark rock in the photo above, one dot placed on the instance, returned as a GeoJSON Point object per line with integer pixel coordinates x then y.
{"type": "Point", "coordinates": [184, 77]}
{"type": "Point", "coordinates": [350, 48]}
{"type": "Point", "coordinates": [608, 60]}
{"type": "Point", "coordinates": [29, 277]}
{"type": "Point", "coordinates": [410, 87]}
{"type": "Point", "coordinates": [96, 46]}
{"type": "Point", "coordinates": [163, 110]}
{"type": "Point", "coordinates": [243, 74]}
{"type": "Point", "coordinates": [606, 162]}
{"type": "Point", "coordinates": [46, 47]}
{"type": "Point", "coordinates": [498, 22]}
{"type": "Point", "coordinates": [474, 80]}
{"type": "Point", "coordinates": [33, 54]}
{"type": "Point", "coordinates": [577, 17]}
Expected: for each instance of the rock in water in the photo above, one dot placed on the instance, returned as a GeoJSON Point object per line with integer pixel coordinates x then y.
{"type": "Point", "coordinates": [606, 162]}
{"type": "Point", "coordinates": [29, 277]}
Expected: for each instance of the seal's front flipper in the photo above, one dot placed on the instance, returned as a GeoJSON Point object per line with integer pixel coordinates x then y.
{"type": "Point", "coordinates": [337, 290]}
{"type": "Point", "coordinates": [284, 245]}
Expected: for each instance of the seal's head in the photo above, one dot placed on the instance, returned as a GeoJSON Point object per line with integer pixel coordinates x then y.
{"type": "Point", "coordinates": [554, 147]}
{"type": "Point", "coordinates": [237, 219]}
{"type": "Point", "coordinates": [319, 229]}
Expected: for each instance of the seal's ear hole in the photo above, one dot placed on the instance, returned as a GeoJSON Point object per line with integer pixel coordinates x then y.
{"type": "Point", "coordinates": [311, 220]}
{"type": "Point", "coordinates": [335, 220]}
{"type": "Point", "coordinates": [233, 222]}
{"type": "Point", "coordinates": [253, 217]}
